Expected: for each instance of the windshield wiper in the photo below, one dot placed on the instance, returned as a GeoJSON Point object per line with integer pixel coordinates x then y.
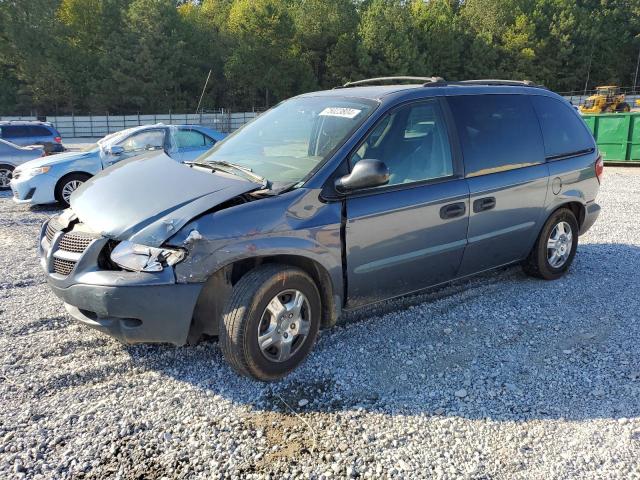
{"type": "Point", "coordinates": [227, 166]}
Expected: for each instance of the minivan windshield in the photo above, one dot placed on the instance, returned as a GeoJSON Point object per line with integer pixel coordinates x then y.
{"type": "Point", "coordinates": [286, 143]}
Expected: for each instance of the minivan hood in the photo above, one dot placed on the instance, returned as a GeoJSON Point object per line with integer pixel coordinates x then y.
{"type": "Point", "coordinates": [149, 198]}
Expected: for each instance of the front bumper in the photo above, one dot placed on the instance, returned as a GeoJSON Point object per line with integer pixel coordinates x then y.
{"type": "Point", "coordinates": [133, 314]}
{"type": "Point", "coordinates": [130, 306]}
{"type": "Point", "coordinates": [592, 211]}
{"type": "Point", "coordinates": [33, 190]}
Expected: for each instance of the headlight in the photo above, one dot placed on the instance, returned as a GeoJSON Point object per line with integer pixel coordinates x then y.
{"type": "Point", "coordinates": [32, 172]}
{"type": "Point", "coordinates": [141, 258]}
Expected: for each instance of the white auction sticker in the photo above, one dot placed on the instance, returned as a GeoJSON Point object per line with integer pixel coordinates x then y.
{"type": "Point", "coordinates": [340, 112]}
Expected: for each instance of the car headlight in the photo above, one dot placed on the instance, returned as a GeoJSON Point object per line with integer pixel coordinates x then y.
{"type": "Point", "coordinates": [32, 172]}
{"type": "Point", "coordinates": [140, 258]}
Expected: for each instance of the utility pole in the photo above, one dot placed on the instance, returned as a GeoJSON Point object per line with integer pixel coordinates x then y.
{"type": "Point", "coordinates": [586, 83]}
{"type": "Point", "coordinates": [635, 79]}
{"type": "Point", "coordinates": [203, 90]}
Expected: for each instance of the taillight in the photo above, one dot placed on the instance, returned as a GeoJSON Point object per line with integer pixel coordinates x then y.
{"type": "Point", "coordinates": [599, 168]}
{"type": "Point", "coordinates": [57, 139]}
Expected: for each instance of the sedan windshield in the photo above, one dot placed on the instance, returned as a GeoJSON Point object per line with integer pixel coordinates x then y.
{"type": "Point", "coordinates": [286, 143]}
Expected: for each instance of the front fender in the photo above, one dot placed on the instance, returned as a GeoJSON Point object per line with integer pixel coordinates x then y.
{"type": "Point", "coordinates": [205, 258]}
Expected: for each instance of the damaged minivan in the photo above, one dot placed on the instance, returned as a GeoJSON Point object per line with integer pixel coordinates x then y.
{"type": "Point", "coordinates": [327, 202]}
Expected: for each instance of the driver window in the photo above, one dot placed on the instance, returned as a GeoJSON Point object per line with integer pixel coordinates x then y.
{"type": "Point", "coordinates": [149, 140]}
{"type": "Point", "coordinates": [413, 142]}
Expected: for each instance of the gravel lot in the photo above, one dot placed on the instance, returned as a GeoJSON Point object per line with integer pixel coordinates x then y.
{"type": "Point", "coordinates": [502, 376]}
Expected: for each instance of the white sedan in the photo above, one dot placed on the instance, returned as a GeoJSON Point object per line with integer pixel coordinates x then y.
{"type": "Point", "coordinates": [55, 178]}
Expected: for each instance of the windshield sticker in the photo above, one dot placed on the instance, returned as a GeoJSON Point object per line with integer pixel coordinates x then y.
{"type": "Point", "coordinates": [340, 112]}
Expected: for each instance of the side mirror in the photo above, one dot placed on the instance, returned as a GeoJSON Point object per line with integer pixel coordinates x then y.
{"type": "Point", "coordinates": [115, 150]}
{"type": "Point", "coordinates": [366, 173]}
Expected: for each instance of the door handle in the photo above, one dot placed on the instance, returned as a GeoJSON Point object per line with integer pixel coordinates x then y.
{"type": "Point", "coordinates": [483, 204]}
{"type": "Point", "coordinates": [453, 210]}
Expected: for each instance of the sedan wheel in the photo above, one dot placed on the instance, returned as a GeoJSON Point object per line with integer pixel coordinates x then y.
{"type": "Point", "coordinates": [69, 188]}
{"type": "Point", "coordinates": [6, 173]}
{"type": "Point", "coordinates": [69, 184]}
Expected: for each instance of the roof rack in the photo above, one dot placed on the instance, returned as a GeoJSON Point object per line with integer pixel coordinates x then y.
{"type": "Point", "coordinates": [494, 82]}
{"type": "Point", "coordinates": [367, 81]}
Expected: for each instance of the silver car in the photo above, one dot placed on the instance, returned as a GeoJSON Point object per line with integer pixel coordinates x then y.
{"type": "Point", "coordinates": [54, 179]}
{"type": "Point", "coordinates": [12, 155]}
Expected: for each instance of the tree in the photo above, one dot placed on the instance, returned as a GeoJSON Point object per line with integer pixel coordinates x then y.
{"type": "Point", "coordinates": [325, 35]}
{"type": "Point", "coordinates": [439, 36]}
{"type": "Point", "coordinates": [150, 55]}
{"type": "Point", "coordinates": [31, 52]}
{"type": "Point", "coordinates": [387, 45]}
{"type": "Point", "coordinates": [142, 71]}
{"type": "Point", "coordinates": [263, 64]}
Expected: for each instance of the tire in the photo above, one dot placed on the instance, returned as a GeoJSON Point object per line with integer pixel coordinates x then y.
{"type": "Point", "coordinates": [6, 171]}
{"type": "Point", "coordinates": [67, 181]}
{"type": "Point", "coordinates": [541, 263]}
{"type": "Point", "coordinates": [623, 107]}
{"type": "Point", "coordinates": [248, 314]}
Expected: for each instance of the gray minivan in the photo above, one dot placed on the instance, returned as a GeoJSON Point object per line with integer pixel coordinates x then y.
{"type": "Point", "coordinates": [327, 202]}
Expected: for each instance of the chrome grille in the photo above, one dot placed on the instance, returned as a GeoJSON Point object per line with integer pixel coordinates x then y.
{"type": "Point", "coordinates": [75, 242]}
{"type": "Point", "coordinates": [63, 267]}
{"type": "Point", "coordinates": [53, 227]}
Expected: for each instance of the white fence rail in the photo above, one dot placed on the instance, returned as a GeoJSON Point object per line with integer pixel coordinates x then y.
{"type": "Point", "coordinates": [98, 126]}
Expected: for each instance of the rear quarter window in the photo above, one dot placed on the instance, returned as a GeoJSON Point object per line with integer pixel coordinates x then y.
{"type": "Point", "coordinates": [15, 131]}
{"type": "Point", "coordinates": [563, 131]}
{"type": "Point", "coordinates": [497, 132]}
{"type": "Point", "coordinates": [37, 131]}
{"type": "Point", "coordinates": [192, 138]}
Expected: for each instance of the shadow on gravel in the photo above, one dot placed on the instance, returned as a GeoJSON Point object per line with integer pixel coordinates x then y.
{"type": "Point", "coordinates": [501, 346]}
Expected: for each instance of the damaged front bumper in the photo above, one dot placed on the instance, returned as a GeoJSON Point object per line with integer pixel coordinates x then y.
{"type": "Point", "coordinates": [130, 306]}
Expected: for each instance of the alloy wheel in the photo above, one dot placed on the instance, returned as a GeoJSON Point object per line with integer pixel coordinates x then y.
{"type": "Point", "coordinates": [559, 244]}
{"type": "Point", "coordinates": [69, 188]}
{"type": "Point", "coordinates": [284, 326]}
{"type": "Point", "coordinates": [5, 177]}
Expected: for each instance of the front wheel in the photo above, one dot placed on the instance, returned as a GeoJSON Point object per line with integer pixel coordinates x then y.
{"type": "Point", "coordinates": [555, 247]}
{"type": "Point", "coordinates": [6, 172]}
{"type": "Point", "coordinates": [270, 322]}
{"type": "Point", "coordinates": [67, 185]}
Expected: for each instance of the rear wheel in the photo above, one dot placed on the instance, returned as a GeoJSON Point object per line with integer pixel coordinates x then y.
{"type": "Point", "coordinates": [270, 322]}
{"type": "Point", "coordinates": [6, 172]}
{"type": "Point", "coordinates": [67, 185]}
{"type": "Point", "coordinates": [555, 247]}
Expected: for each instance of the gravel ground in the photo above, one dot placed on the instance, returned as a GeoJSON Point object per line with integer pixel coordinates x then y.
{"type": "Point", "coordinates": [501, 376]}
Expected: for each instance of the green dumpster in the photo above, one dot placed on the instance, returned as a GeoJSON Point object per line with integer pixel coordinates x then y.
{"type": "Point", "coordinates": [617, 135]}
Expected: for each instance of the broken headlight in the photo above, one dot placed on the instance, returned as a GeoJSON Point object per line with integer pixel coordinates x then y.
{"type": "Point", "coordinates": [140, 258]}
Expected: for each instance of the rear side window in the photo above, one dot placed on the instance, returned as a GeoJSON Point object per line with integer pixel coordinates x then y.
{"type": "Point", "coordinates": [36, 131]}
{"type": "Point", "coordinates": [145, 140]}
{"type": "Point", "coordinates": [497, 132]}
{"type": "Point", "coordinates": [191, 139]}
{"type": "Point", "coordinates": [15, 131]}
{"type": "Point", "coordinates": [563, 132]}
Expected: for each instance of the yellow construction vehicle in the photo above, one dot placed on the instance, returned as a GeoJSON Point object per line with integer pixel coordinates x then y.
{"type": "Point", "coordinates": [606, 99]}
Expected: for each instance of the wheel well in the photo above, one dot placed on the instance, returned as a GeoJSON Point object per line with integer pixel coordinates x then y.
{"type": "Point", "coordinates": [67, 175]}
{"type": "Point", "coordinates": [218, 287]}
{"type": "Point", "coordinates": [578, 210]}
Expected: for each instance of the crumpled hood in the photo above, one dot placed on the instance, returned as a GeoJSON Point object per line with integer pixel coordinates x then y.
{"type": "Point", "coordinates": [149, 198]}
